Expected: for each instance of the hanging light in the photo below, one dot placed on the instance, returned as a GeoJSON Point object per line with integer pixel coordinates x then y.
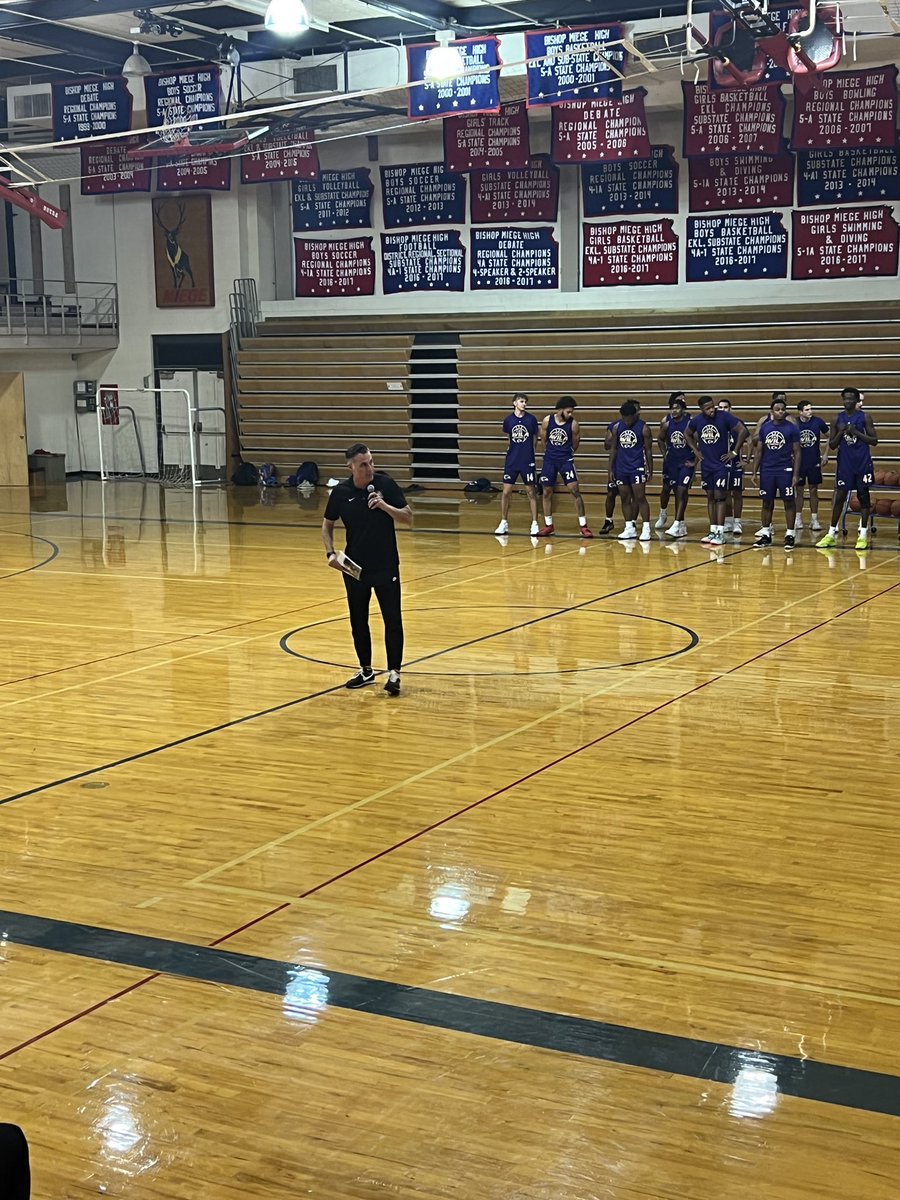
{"type": "Point", "coordinates": [443, 62]}
{"type": "Point", "coordinates": [287, 18]}
{"type": "Point", "coordinates": [135, 65]}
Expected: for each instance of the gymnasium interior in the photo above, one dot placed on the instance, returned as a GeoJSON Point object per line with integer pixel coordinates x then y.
{"type": "Point", "coordinates": [605, 904]}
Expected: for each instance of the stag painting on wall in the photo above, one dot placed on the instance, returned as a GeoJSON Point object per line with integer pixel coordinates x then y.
{"type": "Point", "coordinates": [183, 252]}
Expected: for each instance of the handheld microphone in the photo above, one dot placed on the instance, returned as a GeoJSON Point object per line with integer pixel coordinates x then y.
{"type": "Point", "coordinates": [370, 488]}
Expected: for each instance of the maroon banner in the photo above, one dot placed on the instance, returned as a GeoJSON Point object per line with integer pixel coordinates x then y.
{"type": "Point", "coordinates": [730, 181]}
{"type": "Point", "coordinates": [846, 109]}
{"type": "Point", "coordinates": [528, 195]}
{"type": "Point", "coordinates": [845, 242]}
{"type": "Point", "coordinates": [106, 168]}
{"type": "Point", "coordinates": [32, 203]}
{"type": "Point", "coordinates": [601, 130]}
{"type": "Point", "coordinates": [732, 120]}
{"type": "Point", "coordinates": [488, 141]}
{"type": "Point", "coordinates": [342, 267]}
{"type": "Point", "coordinates": [625, 253]}
{"type": "Point", "coordinates": [191, 174]}
{"type": "Point", "coordinates": [281, 156]}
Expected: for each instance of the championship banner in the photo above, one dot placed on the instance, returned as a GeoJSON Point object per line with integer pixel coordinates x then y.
{"type": "Point", "coordinates": [574, 64]}
{"type": "Point", "coordinates": [528, 195]}
{"type": "Point", "coordinates": [720, 26]}
{"type": "Point", "coordinates": [422, 262]}
{"type": "Point", "coordinates": [87, 108]}
{"type": "Point", "coordinates": [846, 109]}
{"type": "Point", "coordinates": [489, 141]}
{"type": "Point", "coordinates": [644, 185]}
{"type": "Point", "coordinates": [732, 120]}
{"type": "Point", "coordinates": [728, 181]}
{"type": "Point", "coordinates": [422, 194]}
{"type": "Point", "coordinates": [629, 253]}
{"type": "Point", "coordinates": [477, 90]}
{"type": "Point", "coordinates": [336, 200]}
{"type": "Point", "coordinates": [273, 157]}
{"type": "Point", "coordinates": [180, 96]}
{"type": "Point", "coordinates": [334, 267]}
{"type": "Point", "coordinates": [601, 130]}
{"type": "Point", "coordinates": [746, 246]}
{"type": "Point", "coordinates": [527, 259]}
{"type": "Point", "coordinates": [845, 242]}
{"type": "Point", "coordinates": [194, 174]}
{"type": "Point", "coordinates": [844, 176]}
{"type": "Point", "coordinates": [107, 170]}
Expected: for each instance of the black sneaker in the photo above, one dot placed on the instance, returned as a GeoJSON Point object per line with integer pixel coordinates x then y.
{"type": "Point", "coordinates": [789, 541]}
{"type": "Point", "coordinates": [362, 678]}
{"type": "Point", "coordinates": [762, 539]}
{"type": "Point", "coordinates": [608, 527]}
{"type": "Point", "coordinates": [392, 687]}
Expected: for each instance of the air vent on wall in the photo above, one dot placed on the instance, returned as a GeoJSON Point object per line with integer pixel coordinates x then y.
{"type": "Point", "coordinates": [28, 105]}
{"type": "Point", "coordinates": [307, 81]}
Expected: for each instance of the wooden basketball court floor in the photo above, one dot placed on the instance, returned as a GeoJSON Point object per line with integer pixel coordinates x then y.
{"type": "Point", "coordinates": [605, 905]}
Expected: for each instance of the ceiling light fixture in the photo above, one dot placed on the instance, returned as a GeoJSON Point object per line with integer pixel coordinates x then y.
{"type": "Point", "coordinates": [443, 62]}
{"type": "Point", "coordinates": [135, 65]}
{"type": "Point", "coordinates": [287, 18]}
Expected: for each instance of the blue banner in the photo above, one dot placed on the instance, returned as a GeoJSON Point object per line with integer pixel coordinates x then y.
{"type": "Point", "coordinates": [633, 186]}
{"type": "Point", "coordinates": [88, 107]}
{"type": "Point", "coordinates": [845, 176]}
{"type": "Point", "coordinates": [736, 246]}
{"type": "Point", "coordinates": [422, 262]}
{"type": "Point", "coordinates": [720, 34]}
{"type": "Point", "coordinates": [477, 90]}
{"type": "Point", "coordinates": [574, 64]}
{"type": "Point", "coordinates": [180, 96]}
{"type": "Point", "coordinates": [336, 200]}
{"type": "Point", "coordinates": [422, 194]}
{"type": "Point", "coordinates": [527, 259]}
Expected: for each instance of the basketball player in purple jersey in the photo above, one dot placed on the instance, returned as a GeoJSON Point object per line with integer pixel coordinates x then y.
{"type": "Point", "coordinates": [734, 502]}
{"type": "Point", "coordinates": [853, 436]}
{"type": "Point", "coordinates": [521, 429]}
{"type": "Point", "coordinates": [716, 438]}
{"type": "Point", "coordinates": [560, 435]}
{"type": "Point", "coordinates": [612, 492]}
{"type": "Point", "coordinates": [812, 461]}
{"type": "Point", "coordinates": [776, 466]}
{"type": "Point", "coordinates": [630, 468]}
{"type": "Point", "coordinates": [678, 465]}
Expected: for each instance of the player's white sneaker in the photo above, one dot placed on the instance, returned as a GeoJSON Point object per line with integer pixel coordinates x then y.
{"type": "Point", "coordinates": [798, 525]}
{"type": "Point", "coordinates": [736, 528]}
{"type": "Point", "coordinates": [628, 532]}
{"type": "Point", "coordinates": [814, 523]}
{"type": "Point", "coordinates": [503, 527]}
{"type": "Point", "coordinates": [646, 532]}
{"type": "Point", "coordinates": [677, 529]}
{"type": "Point", "coordinates": [729, 524]}
{"type": "Point", "coordinates": [534, 528]}
{"type": "Point", "coordinates": [661, 519]}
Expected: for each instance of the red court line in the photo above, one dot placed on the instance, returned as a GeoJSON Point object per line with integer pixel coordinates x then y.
{"type": "Point", "coordinates": [468, 808]}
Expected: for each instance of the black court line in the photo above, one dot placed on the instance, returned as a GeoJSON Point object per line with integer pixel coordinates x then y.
{"type": "Point", "coordinates": [339, 687]}
{"type": "Point", "coordinates": [54, 551]}
{"type": "Point", "coordinates": [310, 989]}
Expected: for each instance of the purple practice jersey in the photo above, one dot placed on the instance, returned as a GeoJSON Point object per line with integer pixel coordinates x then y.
{"type": "Point", "coordinates": [559, 439]}
{"type": "Point", "coordinates": [778, 439]}
{"type": "Point", "coordinates": [629, 448]}
{"type": "Point", "coordinates": [714, 435]}
{"type": "Point", "coordinates": [811, 432]}
{"type": "Point", "coordinates": [854, 457]}
{"type": "Point", "coordinates": [521, 432]}
{"type": "Point", "coordinates": [678, 452]}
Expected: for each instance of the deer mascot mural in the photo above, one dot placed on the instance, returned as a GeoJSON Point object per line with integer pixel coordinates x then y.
{"type": "Point", "coordinates": [178, 257]}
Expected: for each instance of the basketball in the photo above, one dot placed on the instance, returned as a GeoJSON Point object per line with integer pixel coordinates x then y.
{"type": "Point", "coordinates": [879, 476]}
{"type": "Point", "coordinates": [883, 508]}
{"type": "Point", "coordinates": [891, 479]}
{"type": "Point", "coordinates": [895, 508]}
{"type": "Point", "coordinates": [854, 504]}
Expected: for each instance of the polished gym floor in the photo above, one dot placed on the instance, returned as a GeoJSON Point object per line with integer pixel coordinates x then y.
{"type": "Point", "coordinates": [606, 905]}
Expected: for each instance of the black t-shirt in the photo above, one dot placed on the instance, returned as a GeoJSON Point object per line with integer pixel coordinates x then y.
{"type": "Point", "coordinates": [371, 536]}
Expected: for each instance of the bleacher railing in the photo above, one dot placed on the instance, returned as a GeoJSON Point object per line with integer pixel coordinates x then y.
{"type": "Point", "coordinates": [32, 308]}
{"type": "Point", "coordinates": [245, 315]}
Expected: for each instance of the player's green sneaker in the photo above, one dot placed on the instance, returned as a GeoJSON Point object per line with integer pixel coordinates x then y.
{"type": "Point", "coordinates": [862, 542]}
{"type": "Point", "coordinates": [826, 542]}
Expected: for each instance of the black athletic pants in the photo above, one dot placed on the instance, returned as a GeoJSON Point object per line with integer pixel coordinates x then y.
{"type": "Point", "coordinates": [15, 1172]}
{"type": "Point", "coordinates": [386, 587]}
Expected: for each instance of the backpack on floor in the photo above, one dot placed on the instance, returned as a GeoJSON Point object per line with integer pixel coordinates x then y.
{"type": "Point", "coordinates": [268, 475]}
{"type": "Point", "coordinates": [246, 475]}
{"type": "Point", "coordinates": [307, 472]}
{"type": "Point", "coordinates": [480, 485]}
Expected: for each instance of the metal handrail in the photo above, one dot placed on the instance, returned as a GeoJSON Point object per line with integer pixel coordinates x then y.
{"type": "Point", "coordinates": [51, 306]}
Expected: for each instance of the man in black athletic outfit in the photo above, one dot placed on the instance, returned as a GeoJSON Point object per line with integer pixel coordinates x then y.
{"type": "Point", "coordinates": [369, 503]}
